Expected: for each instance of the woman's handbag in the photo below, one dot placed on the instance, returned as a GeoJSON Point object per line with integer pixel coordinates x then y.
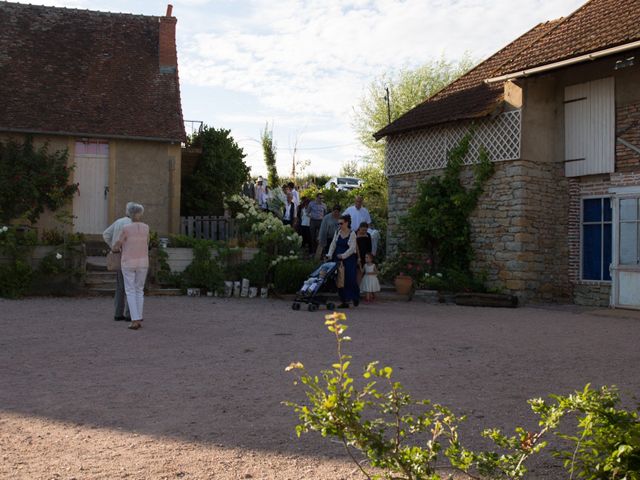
{"type": "Point", "coordinates": [340, 277]}
{"type": "Point", "coordinates": [113, 261]}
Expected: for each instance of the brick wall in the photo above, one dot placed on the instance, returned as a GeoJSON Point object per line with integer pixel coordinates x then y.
{"type": "Point", "coordinates": [628, 128]}
{"type": "Point", "coordinates": [627, 174]}
{"type": "Point", "coordinates": [519, 228]}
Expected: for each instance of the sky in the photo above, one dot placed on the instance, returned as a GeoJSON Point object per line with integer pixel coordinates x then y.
{"type": "Point", "coordinates": [303, 65]}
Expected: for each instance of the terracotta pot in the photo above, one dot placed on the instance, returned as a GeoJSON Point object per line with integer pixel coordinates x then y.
{"type": "Point", "coordinates": [403, 284]}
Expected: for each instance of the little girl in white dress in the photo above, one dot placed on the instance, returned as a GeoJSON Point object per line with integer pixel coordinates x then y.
{"type": "Point", "coordinates": [369, 284]}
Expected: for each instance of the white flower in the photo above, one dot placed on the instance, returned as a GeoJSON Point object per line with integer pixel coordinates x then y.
{"type": "Point", "coordinates": [291, 252]}
{"type": "Point", "coordinates": [5, 228]}
{"type": "Point", "coordinates": [58, 256]}
{"type": "Point", "coordinates": [439, 275]}
{"type": "Point", "coordinates": [240, 216]}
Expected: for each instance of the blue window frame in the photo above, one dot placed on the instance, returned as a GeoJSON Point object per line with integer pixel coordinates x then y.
{"type": "Point", "coordinates": [596, 238]}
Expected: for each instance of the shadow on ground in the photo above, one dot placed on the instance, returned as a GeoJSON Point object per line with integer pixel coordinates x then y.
{"type": "Point", "coordinates": [212, 370]}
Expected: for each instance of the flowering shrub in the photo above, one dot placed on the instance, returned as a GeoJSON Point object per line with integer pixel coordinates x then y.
{"type": "Point", "coordinates": [414, 265]}
{"type": "Point", "coordinates": [272, 236]}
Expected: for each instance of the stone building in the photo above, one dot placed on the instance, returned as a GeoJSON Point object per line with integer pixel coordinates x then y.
{"type": "Point", "coordinates": [104, 86]}
{"type": "Point", "coordinates": [558, 111]}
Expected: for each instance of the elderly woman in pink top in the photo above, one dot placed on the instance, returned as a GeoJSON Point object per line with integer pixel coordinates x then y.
{"type": "Point", "coordinates": [134, 245]}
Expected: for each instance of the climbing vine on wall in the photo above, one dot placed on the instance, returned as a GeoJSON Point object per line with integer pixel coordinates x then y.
{"type": "Point", "coordinates": [438, 222]}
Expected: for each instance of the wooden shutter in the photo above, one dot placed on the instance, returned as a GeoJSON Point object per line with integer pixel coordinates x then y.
{"type": "Point", "coordinates": [589, 128]}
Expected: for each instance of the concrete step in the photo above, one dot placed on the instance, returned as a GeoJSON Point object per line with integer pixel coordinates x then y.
{"type": "Point", "coordinates": [96, 263]}
{"type": "Point", "coordinates": [101, 292]}
{"type": "Point", "coordinates": [97, 279]}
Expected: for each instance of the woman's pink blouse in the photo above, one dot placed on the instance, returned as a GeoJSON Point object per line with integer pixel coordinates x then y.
{"type": "Point", "coordinates": [135, 245]}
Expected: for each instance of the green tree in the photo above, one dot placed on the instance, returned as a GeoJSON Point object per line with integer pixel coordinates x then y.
{"type": "Point", "coordinates": [32, 179]}
{"type": "Point", "coordinates": [269, 150]}
{"type": "Point", "coordinates": [407, 88]}
{"type": "Point", "coordinates": [221, 169]}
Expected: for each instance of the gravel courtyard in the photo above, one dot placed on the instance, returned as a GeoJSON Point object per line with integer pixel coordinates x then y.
{"type": "Point", "coordinates": [197, 392]}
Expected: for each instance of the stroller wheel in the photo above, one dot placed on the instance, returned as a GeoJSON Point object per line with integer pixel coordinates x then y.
{"type": "Point", "coordinates": [295, 306]}
{"type": "Point", "coordinates": [313, 307]}
{"type": "Point", "coordinates": [331, 306]}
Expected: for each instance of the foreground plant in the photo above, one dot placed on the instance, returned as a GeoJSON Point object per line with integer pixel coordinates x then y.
{"type": "Point", "coordinates": [389, 435]}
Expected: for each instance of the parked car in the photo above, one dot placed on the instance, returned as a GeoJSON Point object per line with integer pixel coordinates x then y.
{"type": "Point", "coordinates": [343, 183]}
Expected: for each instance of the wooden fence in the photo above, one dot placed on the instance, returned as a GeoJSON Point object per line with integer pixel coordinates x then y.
{"type": "Point", "coordinates": [208, 227]}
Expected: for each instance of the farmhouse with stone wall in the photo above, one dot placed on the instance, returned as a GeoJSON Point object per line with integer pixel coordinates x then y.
{"type": "Point", "coordinates": [105, 87]}
{"type": "Point", "coordinates": [558, 111]}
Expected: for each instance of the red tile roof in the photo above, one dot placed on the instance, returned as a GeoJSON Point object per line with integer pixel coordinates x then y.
{"type": "Point", "coordinates": [85, 73]}
{"type": "Point", "coordinates": [597, 25]}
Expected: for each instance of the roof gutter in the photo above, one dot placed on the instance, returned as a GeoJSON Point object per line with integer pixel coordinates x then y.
{"type": "Point", "coordinates": [89, 135]}
{"type": "Point", "coordinates": [564, 63]}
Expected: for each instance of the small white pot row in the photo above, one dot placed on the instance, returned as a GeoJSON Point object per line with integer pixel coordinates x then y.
{"type": "Point", "coordinates": [235, 289]}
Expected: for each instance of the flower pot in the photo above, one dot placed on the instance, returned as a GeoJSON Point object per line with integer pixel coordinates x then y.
{"type": "Point", "coordinates": [403, 284]}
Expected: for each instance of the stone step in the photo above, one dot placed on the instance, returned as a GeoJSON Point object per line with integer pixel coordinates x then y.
{"type": "Point", "coordinates": [101, 292]}
{"type": "Point", "coordinates": [96, 263]}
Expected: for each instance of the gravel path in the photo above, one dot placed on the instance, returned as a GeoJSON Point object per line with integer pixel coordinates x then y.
{"type": "Point", "coordinates": [197, 392]}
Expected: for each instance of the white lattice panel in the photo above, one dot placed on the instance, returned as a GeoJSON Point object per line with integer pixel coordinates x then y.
{"type": "Point", "coordinates": [427, 149]}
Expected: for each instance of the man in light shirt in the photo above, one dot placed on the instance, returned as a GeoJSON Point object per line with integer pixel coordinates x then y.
{"type": "Point", "coordinates": [111, 235]}
{"type": "Point", "coordinates": [316, 211]}
{"type": "Point", "coordinates": [360, 214]}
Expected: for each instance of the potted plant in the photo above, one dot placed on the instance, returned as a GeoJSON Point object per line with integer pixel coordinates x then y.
{"type": "Point", "coordinates": [405, 269]}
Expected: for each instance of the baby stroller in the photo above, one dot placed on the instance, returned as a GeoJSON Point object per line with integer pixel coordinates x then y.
{"type": "Point", "coordinates": [315, 288]}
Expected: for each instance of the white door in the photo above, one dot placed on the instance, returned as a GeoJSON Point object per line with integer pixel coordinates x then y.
{"type": "Point", "coordinates": [91, 203]}
{"type": "Point", "coordinates": [626, 252]}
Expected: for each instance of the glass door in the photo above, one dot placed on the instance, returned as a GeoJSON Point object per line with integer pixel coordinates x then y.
{"type": "Point", "coordinates": [626, 262]}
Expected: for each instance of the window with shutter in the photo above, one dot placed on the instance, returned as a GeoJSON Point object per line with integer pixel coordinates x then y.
{"type": "Point", "coordinates": [589, 128]}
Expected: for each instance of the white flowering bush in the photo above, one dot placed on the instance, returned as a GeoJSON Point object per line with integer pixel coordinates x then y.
{"type": "Point", "coordinates": [272, 236]}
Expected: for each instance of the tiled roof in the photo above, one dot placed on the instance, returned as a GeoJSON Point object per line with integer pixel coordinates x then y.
{"type": "Point", "coordinates": [86, 73]}
{"type": "Point", "coordinates": [469, 96]}
{"type": "Point", "coordinates": [597, 25]}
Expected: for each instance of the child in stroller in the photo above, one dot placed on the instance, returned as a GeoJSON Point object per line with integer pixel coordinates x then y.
{"type": "Point", "coordinates": [313, 285]}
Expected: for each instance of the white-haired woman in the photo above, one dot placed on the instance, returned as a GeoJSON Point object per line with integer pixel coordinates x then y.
{"type": "Point", "coordinates": [134, 245]}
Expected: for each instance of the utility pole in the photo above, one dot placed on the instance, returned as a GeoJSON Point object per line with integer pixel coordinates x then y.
{"type": "Point", "coordinates": [387, 98]}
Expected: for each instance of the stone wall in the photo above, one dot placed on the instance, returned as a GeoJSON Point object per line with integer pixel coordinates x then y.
{"type": "Point", "coordinates": [519, 228]}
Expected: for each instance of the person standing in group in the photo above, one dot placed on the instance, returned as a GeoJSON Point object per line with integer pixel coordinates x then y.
{"type": "Point", "coordinates": [303, 224]}
{"type": "Point", "coordinates": [369, 284]}
{"type": "Point", "coordinates": [294, 192]}
{"type": "Point", "coordinates": [360, 214]}
{"type": "Point", "coordinates": [343, 249]}
{"type": "Point", "coordinates": [316, 210]}
{"type": "Point", "coordinates": [261, 194]}
{"type": "Point", "coordinates": [111, 236]}
{"type": "Point", "coordinates": [328, 229]}
{"type": "Point", "coordinates": [134, 245]}
{"type": "Point", "coordinates": [289, 216]}
{"type": "Point", "coordinates": [363, 239]}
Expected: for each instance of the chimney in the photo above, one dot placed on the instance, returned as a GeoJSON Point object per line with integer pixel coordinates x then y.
{"type": "Point", "coordinates": [167, 43]}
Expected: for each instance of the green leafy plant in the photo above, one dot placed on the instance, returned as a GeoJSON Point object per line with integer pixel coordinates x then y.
{"type": "Point", "coordinates": [256, 270]}
{"type": "Point", "coordinates": [414, 265]}
{"type": "Point", "coordinates": [15, 279]}
{"type": "Point", "coordinates": [269, 151]}
{"type": "Point", "coordinates": [391, 436]}
{"type": "Point", "coordinates": [438, 222]}
{"type": "Point", "coordinates": [220, 168]}
{"type": "Point", "coordinates": [607, 442]}
{"type": "Point", "coordinates": [32, 179]}
{"type": "Point", "coordinates": [15, 271]}
{"type": "Point", "coordinates": [204, 271]}
{"type": "Point", "coordinates": [289, 274]}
